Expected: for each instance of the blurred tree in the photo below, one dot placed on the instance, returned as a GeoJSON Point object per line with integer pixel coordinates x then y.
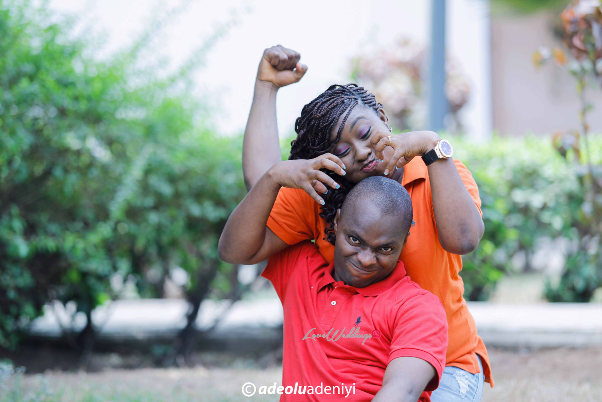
{"type": "Point", "coordinates": [105, 169]}
{"type": "Point", "coordinates": [61, 140]}
{"type": "Point", "coordinates": [188, 191]}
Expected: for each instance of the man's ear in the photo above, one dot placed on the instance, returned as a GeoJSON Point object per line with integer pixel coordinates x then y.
{"type": "Point", "coordinates": [336, 220]}
{"type": "Point", "coordinates": [406, 239]}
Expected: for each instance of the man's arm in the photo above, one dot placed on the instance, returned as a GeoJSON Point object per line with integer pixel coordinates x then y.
{"type": "Point", "coordinates": [405, 379]}
{"type": "Point", "coordinates": [279, 67]}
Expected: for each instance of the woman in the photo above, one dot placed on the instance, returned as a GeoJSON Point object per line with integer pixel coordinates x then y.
{"type": "Point", "coordinates": [345, 133]}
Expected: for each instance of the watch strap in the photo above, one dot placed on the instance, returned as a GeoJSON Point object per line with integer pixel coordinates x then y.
{"type": "Point", "coordinates": [430, 157]}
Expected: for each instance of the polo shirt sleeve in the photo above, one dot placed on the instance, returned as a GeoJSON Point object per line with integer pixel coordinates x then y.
{"type": "Point", "coordinates": [420, 331]}
{"type": "Point", "coordinates": [293, 217]}
{"type": "Point", "coordinates": [281, 265]}
{"type": "Point", "coordinates": [469, 183]}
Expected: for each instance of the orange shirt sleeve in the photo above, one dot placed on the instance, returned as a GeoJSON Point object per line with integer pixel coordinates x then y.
{"type": "Point", "coordinates": [293, 217]}
{"type": "Point", "coordinates": [469, 183]}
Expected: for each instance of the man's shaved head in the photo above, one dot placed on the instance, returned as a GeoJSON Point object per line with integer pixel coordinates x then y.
{"type": "Point", "coordinates": [390, 198]}
{"type": "Point", "coordinates": [371, 229]}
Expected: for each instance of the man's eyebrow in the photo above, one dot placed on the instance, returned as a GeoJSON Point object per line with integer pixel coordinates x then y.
{"type": "Point", "coordinates": [356, 120]}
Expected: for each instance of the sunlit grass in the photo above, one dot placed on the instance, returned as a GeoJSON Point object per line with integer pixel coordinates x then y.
{"type": "Point", "coordinates": [142, 385]}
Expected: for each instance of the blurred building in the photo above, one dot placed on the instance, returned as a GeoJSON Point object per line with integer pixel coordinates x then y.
{"type": "Point", "coordinates": [529, 99]}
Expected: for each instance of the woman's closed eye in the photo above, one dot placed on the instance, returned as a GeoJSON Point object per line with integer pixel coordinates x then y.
{"type": "Point", "coordinates": [366, 134]}
{"type": "Point", "coordinates": [341, 152]}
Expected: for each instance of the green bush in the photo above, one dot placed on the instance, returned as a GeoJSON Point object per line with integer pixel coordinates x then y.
{"type": "Point", "coordinates": [529, 191]}
{"type": "Point", "coordinates": [61, 139]}
{"type": "Point", "coordinates": [103, 171]}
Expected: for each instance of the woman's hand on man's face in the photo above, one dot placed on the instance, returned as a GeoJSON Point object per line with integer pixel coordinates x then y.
{"type": "Point", "coordinates": [406, 146]}
{"type": "Point", "coordinates": [280, 66]}
{"type": "Point", "coordinates": [306, 174]}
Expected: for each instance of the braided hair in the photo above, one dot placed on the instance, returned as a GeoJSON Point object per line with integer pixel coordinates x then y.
{"type": "Point", "coordinates": [314, 127]}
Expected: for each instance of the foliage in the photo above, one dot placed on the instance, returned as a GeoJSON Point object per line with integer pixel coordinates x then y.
{"type": "Point", "coordinates": [582, 36]}
{"type": "Point", "coordinates": [55, 106]}
{"type": "Point", "coordinates": [527, 193]}
{"type": "Point", "coordinates": [104, 174]}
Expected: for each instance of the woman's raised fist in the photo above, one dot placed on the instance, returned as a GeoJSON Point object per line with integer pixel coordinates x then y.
{"type": "Point", "coordinates": [280, 66]}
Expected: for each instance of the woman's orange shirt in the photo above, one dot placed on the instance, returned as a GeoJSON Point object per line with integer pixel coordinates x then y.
{"type": "Point", "coordinates": [295, 217]}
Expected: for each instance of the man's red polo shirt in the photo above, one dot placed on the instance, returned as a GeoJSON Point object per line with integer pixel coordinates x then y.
{"type": "Point", "coordinates": [339, 335]}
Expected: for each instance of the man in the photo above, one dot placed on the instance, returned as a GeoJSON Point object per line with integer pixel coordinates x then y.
{"type": "Point", "coordinates": [358, 323]}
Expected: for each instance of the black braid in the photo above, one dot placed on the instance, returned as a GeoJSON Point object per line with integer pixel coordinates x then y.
{"type": "Point", "coordinates": [318, 119]}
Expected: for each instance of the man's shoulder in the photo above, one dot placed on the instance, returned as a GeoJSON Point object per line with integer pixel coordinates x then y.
{"type": "Point", "coordinates": [305, 250]}
{"type": "Point", "coordinates": [293, 264]}
{"type": "Point", "coordinates": [406, 291]}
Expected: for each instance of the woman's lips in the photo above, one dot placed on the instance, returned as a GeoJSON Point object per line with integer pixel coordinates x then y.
{"type": "Point", "coordinates": [370, 166]}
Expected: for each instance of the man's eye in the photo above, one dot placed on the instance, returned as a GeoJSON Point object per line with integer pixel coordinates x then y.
{"type": "Point", "coordinates": [353, 240]}
{"type": "Point", "coordinates": [386, 249]}
{"type": "Point", "coordinates": [365, 136]}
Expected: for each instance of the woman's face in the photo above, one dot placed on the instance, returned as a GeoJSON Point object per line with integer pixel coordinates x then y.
{"type": "Point", "coordinates": [354, 147]}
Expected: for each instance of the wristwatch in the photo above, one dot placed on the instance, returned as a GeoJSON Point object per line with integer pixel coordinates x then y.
{"type": "Point", "coordinates": [442, 150]}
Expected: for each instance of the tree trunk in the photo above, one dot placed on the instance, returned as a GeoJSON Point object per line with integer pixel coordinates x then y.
{"type": "Point", "coordinates": [86, 340]}
{"type": "Point", "coordinates": [185, 338]}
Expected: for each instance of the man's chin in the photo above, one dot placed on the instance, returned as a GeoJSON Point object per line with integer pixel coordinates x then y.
{"type": "Point", "coordinates": [359, 283]}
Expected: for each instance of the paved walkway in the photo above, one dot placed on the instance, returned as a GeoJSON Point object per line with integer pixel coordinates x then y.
{"type": "Point", "coordinates": [505, 325]}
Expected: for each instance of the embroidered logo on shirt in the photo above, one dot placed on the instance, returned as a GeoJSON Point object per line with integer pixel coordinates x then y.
{"type": "Point", "coordinates": [335, 336]}
{"type": "Point", "coordinates": [359, 319]}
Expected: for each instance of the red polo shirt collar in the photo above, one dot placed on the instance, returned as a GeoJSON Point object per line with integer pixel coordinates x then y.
{"type": "Point", "coordinates": [371, 290]}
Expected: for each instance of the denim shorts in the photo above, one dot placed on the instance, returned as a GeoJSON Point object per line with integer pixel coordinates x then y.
{"type": "Point", "coordinates": [458, 385]}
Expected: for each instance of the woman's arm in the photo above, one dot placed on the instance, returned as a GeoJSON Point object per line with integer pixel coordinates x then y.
{"type": "Point", "coordinates": [246, 238]}
{"type": "Point", "coordinates": [458, 220]}
{"type": "Point", "coordinates": [278, 67]}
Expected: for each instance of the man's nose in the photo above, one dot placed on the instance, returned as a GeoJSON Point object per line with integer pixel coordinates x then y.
{"type": "Point", "coordinates": [366, 257]}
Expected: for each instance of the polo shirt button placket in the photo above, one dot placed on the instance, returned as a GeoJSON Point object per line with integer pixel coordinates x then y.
{"type": "Point", "coordinates": [342, 295]}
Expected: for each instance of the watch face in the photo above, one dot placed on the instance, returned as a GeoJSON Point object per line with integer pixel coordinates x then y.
{"type": "Point", "coordinates": [446, 148]}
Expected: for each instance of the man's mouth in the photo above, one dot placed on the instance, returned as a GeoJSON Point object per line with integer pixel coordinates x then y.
{"type": "Point", "coordinates": [370, 166]}
{"type": "Point", "coordinates": [362, 270]}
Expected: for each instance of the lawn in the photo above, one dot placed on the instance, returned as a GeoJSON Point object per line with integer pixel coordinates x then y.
{"type": "Point", "coordinates": [551, 375]}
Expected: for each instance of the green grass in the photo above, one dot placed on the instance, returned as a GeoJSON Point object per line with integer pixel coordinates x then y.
{"type": "Point", "coordinates": [16, 387]}
{"type": "Point", "coordinates": [141, 385]}
{"type": "Point", "coordinates": [15, 391]}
